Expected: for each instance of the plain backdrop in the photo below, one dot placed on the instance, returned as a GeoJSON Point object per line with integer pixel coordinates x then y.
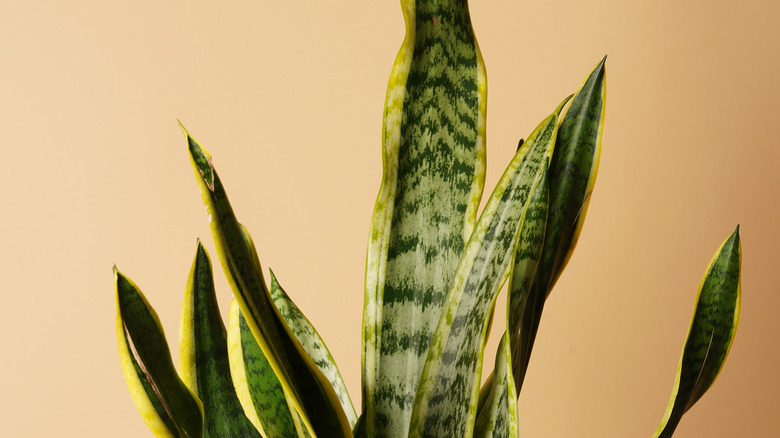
{"type": "Point", "coordinates": [288, 98]}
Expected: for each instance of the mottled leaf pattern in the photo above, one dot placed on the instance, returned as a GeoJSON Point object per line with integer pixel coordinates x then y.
{"type": "Point", "coordinates": [313, 344]}
{"type": "Point", "coordinates": [573, 170]}
{"type": "Point", "coordinates": [258, 389]}
{"type": "Point", "coordinates": [303, 383]}
{"type": "Point", "coordinates": [307, 335]}
{"type": "Point", "coordinates": [164, 401]}
{"type": "Point", "coordinates": [712, 330]}
{"type": "Point", "coordinates": [498, 418]}
{"type": "Point", "coordinates": [433, 161]}
{"type": "Point", "coordinates": [446, 402]}
{"type": "Point", "coordinates": [203, 356]}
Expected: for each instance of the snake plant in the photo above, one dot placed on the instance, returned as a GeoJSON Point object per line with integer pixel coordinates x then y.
{"type": "Point", "coordinates": [434, 267]}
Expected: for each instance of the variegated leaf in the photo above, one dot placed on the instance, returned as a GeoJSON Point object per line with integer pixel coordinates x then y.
{"type": "Point", "coordinates": [313, 344]}
{"type": "Point", "coordinates": [307, 335]}
{"type": "Point", "coordinates": [258, 389]}
{"type": "Point", "coordinates": [713, 326]}
{"type": "Point", "coordinates": [498, 418]}
{"type": "Point", "coordinates": [303, 383]}
{"type": "Point", "coordinates": [573, 170]}
{"type": "Point", "coordinates": [164, 401]}
{"type": "Point", "coordinates": [203, 355]}
{"type": "Point", "coordinates": [433, 175]}
{"type": "Point", "coordinates": [446, 402]}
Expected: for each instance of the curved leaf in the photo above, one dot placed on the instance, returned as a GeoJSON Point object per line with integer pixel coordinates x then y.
{"type": "Point", "coordinates": [433, 174]}
{"type": "Point", "coordinates": [313, 344]}
{"type": "Point", "coordinates": [713, 326]}
{"type": "Point", "coordinates": [203, 355]}
{"type": "Point", "coordinates": [498, 419]}
{"type": "Point", "coordinates": [164, 401]}
{"type": "Point", "coordinates": [307, 335]}
{"type": "Point", "coordinates": [303, 383]}
{"type": "Point", "coordinates": [525, 263]}
{"type": "Point", "coordinates": [257, 387]}
{"type": "Point", "coordinates": [573, 169]}
{"type": "Point", "coordinates": [446, 401]}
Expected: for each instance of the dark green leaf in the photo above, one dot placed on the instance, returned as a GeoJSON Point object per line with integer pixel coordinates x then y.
{"type": "Point", "coordinates": [164, 401]}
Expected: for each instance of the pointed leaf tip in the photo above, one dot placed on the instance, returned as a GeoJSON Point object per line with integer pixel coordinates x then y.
{"type": "Point", "coordinates": [201, 161]}
{"type": "Point", "coordinates": [183, 129]}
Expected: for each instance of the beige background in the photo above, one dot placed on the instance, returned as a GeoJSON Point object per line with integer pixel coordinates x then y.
{"type": "Point", "coordinates": [288, 98]}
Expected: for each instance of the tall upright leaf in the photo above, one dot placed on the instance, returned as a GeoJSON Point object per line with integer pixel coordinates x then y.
{"type": "Point", "coordinates": [313, 344]}
{"type": "Point", "coordinates": [310, 392]}
{"type": "Point", "coordinates": [713, 326]}
{"type": "Point", "coordinates": [446, 400]}
{"type": "Point", "coordinates": [573, 171]}
{"type": "Point", "coordinates": [164, 401]}
{"type": "Point", "coordinates": [307, 336]}
{"type": "Point", "coordinates": [498, 418]}
{"type": "Point", "coordinates": [259, 391]}
{"type": "Point", "coordinates": [203, 356]}
{"type": "Point", "coordinates": [433, 175]}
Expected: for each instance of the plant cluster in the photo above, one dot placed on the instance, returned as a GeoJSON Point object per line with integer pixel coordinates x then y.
{"type": "Point", "coordinates": [433, 271]}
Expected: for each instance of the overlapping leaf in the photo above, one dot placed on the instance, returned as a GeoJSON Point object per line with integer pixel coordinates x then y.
{"type": "Point", "coordinates": [258, 389]}
{"type": "Point", "coordinates": [433, 175]}
{"type": "Point", "coordinates": [309, 391]}
{"type": "Point", "coordinates": [446, 402]}
{"type": "Point", "coordinates": [203, 356]}
{"type": "Point", "coordinates": [713, 326]}
{"type": "Point", "coordinates": [573, 170]}
{"type": "Point", "coordinates": [164, 401]}
{"type": "Point", "coordinates": [498, 418]}
{"type": "Point", "coordinates": [313, 345]}
{"type": "Point", "coordinates": [307, 336]}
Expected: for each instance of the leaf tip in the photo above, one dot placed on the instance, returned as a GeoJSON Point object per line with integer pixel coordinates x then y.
{"type": "Point", "coordinates": [183, 129]}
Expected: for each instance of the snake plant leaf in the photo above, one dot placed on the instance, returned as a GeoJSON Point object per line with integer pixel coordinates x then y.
{"type": "Point", "coordinates": [711, 333]}
{"type": "Point", "coordinates": [203, 355]}
{"type": "Point", "coordinates": [313, 344]}
{"type": "Point", "coordinates": [433, 158]}
{"type": "Point", "coordinates": [446, 400]}
{"type": "Point", "coordinates": [257, 387]}
{"type": "Point", "coordinates": [525, 263]}
{"type": "Point", "coordinates": [307, 335]}
{"type": "Point", "coordinates": [573, 170]}
{"type": "Point", "coordinates": [310, 392]}
{"type": "Point", "coordinates": [499, 417]}
{"type": "Point", "coordinates": [526, 259]}
{"type": "Point", "coordinates": [167, 406]}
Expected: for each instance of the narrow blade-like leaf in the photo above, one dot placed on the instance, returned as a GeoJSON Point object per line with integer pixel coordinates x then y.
{"type": "Point", "coordinates": [258, 389]}
{"type": "Point", "coordinates": [203, 355]}
{"type": "Point", "coordinates": [303, 383]}
{"type": "Point", "coordinates": [446, 400]}
{"type": "Point", "coordinates": [713, 326]}
{"type": "Point", "coordinates": [313, 344]}
{"type": "Point", "coordinates": [433, 175]}
{"type": "Point", "coordinates": [498, 418]}
{"type": "Point", "coordinates": [525, 263]}
{"type": "Point", "coordinates": [164, 401]}
{"type": "Point", "coordinates": [521, 275]}
{"type": "Point", "coordinates": [573, 170]}
{"type": "Point", "coordinates": [307, 335]}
